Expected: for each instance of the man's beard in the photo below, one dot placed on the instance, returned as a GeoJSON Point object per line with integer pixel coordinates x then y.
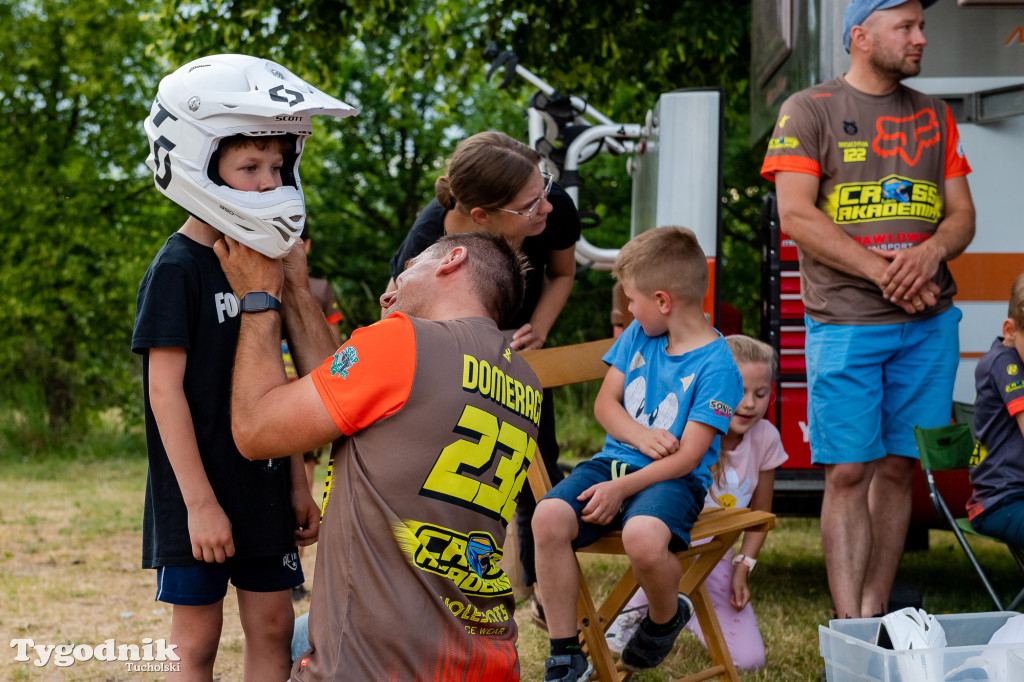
{"type": "Point", "coordinates": [894, 67]}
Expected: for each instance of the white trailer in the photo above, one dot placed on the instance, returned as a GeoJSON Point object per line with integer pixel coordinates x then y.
{"type": "Point", "coordinates": [975, 61]}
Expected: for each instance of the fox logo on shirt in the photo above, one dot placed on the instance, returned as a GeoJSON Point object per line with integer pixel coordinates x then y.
{"type": "Point", "coordinates": [906, 136]}
{"type": "Point", "coordinates": [226, 304]}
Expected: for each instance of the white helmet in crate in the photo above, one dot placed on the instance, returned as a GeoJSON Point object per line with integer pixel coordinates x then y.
{"type": "Point", "coordinates": [910, 628]}
{"type": "Point", "coordinates": [216, 97]}
{"type": "Point", "coordinates": [915, 631]}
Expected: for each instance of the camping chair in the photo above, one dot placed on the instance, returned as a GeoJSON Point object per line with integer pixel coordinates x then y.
{"type": "Point", "coordinates": [947, 448]}
{"type": "Point", "coordinates": [721, 528]}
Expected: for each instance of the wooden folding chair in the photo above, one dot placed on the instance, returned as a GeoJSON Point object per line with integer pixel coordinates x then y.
{"type": "Point", "coordinates": [721, 528]}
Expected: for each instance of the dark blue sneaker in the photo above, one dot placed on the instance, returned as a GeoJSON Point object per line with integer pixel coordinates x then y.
{"type": "Point", "coordinates": [578, 668]}
{"type": "Point", "coordinates": [644, 651]}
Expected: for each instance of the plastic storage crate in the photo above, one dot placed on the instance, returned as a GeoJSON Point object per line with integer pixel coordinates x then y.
{"type": "Point", "coordinates": [851, 655]}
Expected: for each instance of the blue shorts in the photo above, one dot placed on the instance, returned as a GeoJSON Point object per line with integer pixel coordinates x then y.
{"type": "Point", "coordinates": [204, 584]}
{"type": "Point", "coordinates": [868, 385]}
{"type": "Point", "coordinates": [677, 502]}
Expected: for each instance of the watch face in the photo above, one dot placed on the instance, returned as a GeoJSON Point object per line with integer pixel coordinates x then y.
{"type": "Point", "coordinates": [258, 302]}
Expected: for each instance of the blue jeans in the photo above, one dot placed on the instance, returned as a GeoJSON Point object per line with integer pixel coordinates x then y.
{"type": "Point", "coordinates": [1004, 521]}
{"type": "Point", "coordinates": [300, 636]}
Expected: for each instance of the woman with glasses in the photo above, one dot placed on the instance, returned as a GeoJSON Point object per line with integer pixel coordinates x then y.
{"type": "Point", "coordinates": [494, 183]}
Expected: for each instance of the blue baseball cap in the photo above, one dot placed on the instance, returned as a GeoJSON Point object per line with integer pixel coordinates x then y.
{"type": "Point", "coordinates": [859, 10]}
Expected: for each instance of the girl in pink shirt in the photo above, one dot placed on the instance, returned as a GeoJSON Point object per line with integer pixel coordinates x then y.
{"type": "Point", "coordinates": [743, 477]}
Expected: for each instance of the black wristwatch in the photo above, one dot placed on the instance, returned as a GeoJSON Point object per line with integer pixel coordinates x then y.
{"type": "Point", "coordinates": [259, 302]}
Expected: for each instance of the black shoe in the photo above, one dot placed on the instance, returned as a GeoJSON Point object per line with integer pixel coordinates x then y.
{"type": "Point", "coordinates": [578, 668]}
{"type": "Point", "coordinates": [644, 651]}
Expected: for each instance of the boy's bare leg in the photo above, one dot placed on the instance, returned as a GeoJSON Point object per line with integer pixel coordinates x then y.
{"type": "Point", "coordinates": [554, 529]}
{"type": "Point", "coordinates": [267, 621]}
{"type": "Point", "coordinates": [646, 540]}
{"type": "Point", "coordinates": [195, 632]}
{"type": "Point", "coordinates": [889, 502]}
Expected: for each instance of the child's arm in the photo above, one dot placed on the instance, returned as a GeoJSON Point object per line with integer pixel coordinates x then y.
{"type": "Point", "coordinates": [609, 410]}
{"type": "Point", "coordinates": [304, 507]}
{"type": "Point", "coordinates": [208, 526]}
{"type": "Point", "coordinates": [606, 498]}
{"type": "Point", "coordinates": [752, 541]}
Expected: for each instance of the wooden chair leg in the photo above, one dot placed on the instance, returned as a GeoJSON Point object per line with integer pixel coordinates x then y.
{"type": "Point", "coordinates": [593, 633]}
{"type": "Point", "coordinates": [724, 668]}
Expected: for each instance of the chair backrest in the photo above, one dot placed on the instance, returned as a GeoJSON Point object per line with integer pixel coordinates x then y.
{"type": "Point", "coordinates": [945, 448]}
{"type": "Point", "coordinates": [963, 413]}
{"type": "Point", "coordinates": [563, 365]}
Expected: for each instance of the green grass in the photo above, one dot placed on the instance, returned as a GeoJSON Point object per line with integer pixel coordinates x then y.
{"type": "Point", "coordinates": [70, 521]}
{"type": "Point", "coordinates": [579, 434]}
{"type": "Point", "coordinates": [791, 599]}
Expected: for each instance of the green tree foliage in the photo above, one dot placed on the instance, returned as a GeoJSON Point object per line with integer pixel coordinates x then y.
{"type": "Point", "coordinates": [415, 73]}
{"type": "Point", "coordinates": [620, 56]}
{"type": "Point", "coordinates": [83, 219]}
{"type": "Point", "coordinates": [77, 210]}
{"type": "Point", "coordinates": [415, 69]}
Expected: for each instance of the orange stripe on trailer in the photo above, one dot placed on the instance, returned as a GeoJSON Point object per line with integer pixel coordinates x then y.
{"type": "Point", "coordinates": [709, 295]}
{"type": "Point", "coordinates": [985, 276]}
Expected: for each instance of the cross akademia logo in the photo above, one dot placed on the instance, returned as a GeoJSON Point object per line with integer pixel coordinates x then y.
{"type": "Point", "coordinates": [155, 656]}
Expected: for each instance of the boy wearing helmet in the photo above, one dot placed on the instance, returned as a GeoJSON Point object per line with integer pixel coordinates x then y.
{"type": "Point", "coordinates": [226, 134]}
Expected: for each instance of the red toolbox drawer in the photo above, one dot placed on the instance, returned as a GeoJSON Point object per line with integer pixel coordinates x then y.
{"type": "Point", "coordinates": [792, 361]}
{"type": "Point", "coordinates": [791, 337]}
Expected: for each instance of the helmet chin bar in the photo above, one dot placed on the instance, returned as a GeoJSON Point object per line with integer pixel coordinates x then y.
{"type": "Point", "coordinates": [216, 97]}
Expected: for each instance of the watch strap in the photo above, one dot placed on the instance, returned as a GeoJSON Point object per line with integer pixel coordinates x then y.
{"type": "Point", "coordinates": [747, 561]}
{"type": "Point", "coordinates": [259, 302]}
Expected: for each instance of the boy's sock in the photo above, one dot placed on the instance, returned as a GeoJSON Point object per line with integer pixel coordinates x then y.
{"type": "Point", "coordinates": [660, 629]}
{"type": "Point", "coordinates": [564, 646]}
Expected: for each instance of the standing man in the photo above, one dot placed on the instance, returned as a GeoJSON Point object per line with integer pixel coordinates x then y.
{"type": "Point", "coordinates": [872, 187]}
{"type": "Point", "coordinates": [440, 418]}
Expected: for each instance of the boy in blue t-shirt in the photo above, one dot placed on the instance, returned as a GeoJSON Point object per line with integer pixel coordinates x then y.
{"type": "Point", "coordinates": [667, 398]}
{"type": "Point", "coordinates": [996, 507]}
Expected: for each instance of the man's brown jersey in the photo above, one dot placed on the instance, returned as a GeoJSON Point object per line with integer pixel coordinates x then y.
{"type": "Point", "coordinates": [882, 162]}
{"type": "Point", "coordinates": [441, 425]}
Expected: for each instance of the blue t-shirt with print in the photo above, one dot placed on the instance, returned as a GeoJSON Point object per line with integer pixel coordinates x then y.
{"type": "Point", "coordinates": [663, 391]}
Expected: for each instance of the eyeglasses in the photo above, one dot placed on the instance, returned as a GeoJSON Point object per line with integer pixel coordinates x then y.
{"type": "Point", "coordinates": [548, 179]}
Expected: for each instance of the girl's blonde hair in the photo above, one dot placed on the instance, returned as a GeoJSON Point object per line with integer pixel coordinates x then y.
{"type": "Point", "coordinates": [746, 349]}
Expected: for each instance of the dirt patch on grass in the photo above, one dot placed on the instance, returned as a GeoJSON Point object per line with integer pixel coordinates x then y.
{"type": "Point", "coordinates": [70, 553]}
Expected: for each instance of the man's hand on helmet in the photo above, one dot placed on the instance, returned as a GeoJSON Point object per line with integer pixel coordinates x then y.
{"type": "Point", "coordinates": [296, 274]}
{"type": "Point", "coordinates": [248, 270]}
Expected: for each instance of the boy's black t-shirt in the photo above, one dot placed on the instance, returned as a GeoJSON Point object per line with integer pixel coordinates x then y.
{"type": "Point", "coordinates": [185, 301]}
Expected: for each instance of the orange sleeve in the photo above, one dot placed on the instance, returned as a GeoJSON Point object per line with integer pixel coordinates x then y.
{"type": "Point", "coordinates": [797, 164]}
{"type": "Point", "coordinates": [1015, 406]}
{"type": "Point", "coordinates": [370, 377]}
{"type": "Point", "coordinates": [956, 162]}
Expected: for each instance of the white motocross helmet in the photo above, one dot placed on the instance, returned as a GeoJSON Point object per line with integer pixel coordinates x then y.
{"type": "Point", "coordinates": [917, 635]}
{"type": "Point", "coordinates": [213, 98]}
